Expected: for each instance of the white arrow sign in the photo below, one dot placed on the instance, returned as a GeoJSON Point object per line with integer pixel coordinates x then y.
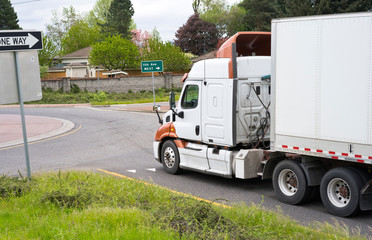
{"type": "Point", "coordinates": [29, 41]}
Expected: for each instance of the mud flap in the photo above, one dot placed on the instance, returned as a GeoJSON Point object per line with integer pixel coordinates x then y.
{"type": "Point", "coordinates": [366, 197]}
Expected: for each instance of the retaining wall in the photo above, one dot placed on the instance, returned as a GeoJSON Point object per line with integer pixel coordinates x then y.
{"type": "Point", "coordinates": [118, 85]}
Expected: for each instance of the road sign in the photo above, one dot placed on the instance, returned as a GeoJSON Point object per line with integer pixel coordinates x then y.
{"type": "Point", "coordinates": [20, 40]}
{"type": "Point", "coordinates": [19, 60]}
{"type": "Point", "coordinates": [152, 66]}
{"type": "Point", "coordinates": [29, 74]}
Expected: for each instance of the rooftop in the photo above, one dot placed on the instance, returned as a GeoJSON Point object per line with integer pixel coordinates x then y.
{"type": "Point", "coordinates": [82, 53]}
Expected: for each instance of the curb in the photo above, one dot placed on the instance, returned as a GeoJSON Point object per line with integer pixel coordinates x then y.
{"type": "Point", "coordinates": [66, 126]}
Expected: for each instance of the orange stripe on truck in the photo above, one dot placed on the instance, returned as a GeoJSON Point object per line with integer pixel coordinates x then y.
{"type": "Point", "coordinates": [166, 130]}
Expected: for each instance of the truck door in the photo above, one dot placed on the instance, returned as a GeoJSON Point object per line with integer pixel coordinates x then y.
{"type": "Point", "coordinates": [188, 127]}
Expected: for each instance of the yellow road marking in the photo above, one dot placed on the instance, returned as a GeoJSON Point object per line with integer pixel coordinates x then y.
{"type": "Point", "coordinates": [173, 191]}
{"type": "Point", "coordinates": [44, 140]}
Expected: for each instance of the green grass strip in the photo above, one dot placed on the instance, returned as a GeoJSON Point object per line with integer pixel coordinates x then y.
{"type": "Point", "coordinates": [86, 205]}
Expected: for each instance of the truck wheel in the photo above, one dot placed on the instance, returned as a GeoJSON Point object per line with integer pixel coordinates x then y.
{"type": "Point", "coordinates": [340, 191]}
{"type": "Point", "coordinates": [289, 182]}
{"type": "Point", "coordinates": [170, 157]}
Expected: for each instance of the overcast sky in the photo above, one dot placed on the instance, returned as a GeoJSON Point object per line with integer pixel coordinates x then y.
{"type": "Point", "coordinates": [166, 15]}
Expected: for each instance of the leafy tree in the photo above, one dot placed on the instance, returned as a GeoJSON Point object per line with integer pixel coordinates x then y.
{"type": "Point", "coordinates": [197, 36]}
{"type": "Point", "coordinates": [48, 53]}
{"type": "Point", "coordinates": [155, 34]}
{"type": "Point", "coordinates": [60, 24]}
{"type": "Point", "coordinates": [292, 8]}
{"type": "Point", "coordinates": [342, 6]}
{"type": "Point", "coordinates": [195, 5]}
{"type": "Point", "coordinates": [215, 11]}
{"type": "Point", "coordinates": [258, 14]}
{"type": "Point", "coordinates": [80, 35]}
{"type": "Point", "coordinates": [115, 52]}
{"type": "Point", "coordinates": [140, 38]}
{"type": "Point", "coordinates": [119, 18]}
{"type": "Point", "coordinates": [98, 15]}
{"type": "Point", "coordinates": [8, 17]}
{"type": "Point", "coordinates": [235, 20]}
{"type": "Point", "coordinates": [228, 19]}
{"type": "Point", "coordinates": [173, 58]}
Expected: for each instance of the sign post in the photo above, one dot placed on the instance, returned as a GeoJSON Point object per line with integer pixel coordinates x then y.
{"type": "Point", "coordinates": [16, 41]}
{"type": "Point", "coordinates": [152, 66]}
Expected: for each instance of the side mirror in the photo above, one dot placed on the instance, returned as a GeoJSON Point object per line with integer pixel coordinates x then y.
{"type": "Point", "coordinates": [172, 100]}
{"type": "Point", "coordinates": [156, 108]}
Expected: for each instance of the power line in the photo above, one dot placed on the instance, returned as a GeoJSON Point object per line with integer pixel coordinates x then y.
{"type": "Point", "coordinates": [26, 2]}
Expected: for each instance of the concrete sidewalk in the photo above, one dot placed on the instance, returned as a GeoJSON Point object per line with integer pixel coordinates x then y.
{"type": "Point", "coordinates": [37, 128]}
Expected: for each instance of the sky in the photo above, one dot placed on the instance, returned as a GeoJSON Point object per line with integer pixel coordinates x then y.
{"type": "Point", "coordinates": [166, 15]}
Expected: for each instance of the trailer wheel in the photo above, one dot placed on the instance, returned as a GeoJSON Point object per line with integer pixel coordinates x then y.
{"type": "Point", "coordinates": [340, 191]}
{"type": "Point", "coordinates": [170, 157]}
{"type": "Point", "coordinates": [289, 182]}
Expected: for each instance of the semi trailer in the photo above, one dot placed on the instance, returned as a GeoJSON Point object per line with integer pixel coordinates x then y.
{"type": "Point", "coordinates": [293, 105]}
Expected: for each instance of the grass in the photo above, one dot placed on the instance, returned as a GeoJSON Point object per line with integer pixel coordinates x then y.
{"type": "Point", "coordinates": [76, 96]}
{"type": "Point", "coordinates": [82, 205]}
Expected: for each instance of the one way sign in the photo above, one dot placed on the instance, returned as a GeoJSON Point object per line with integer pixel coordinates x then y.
{"type": "Point", "coordinates": [20, 40]}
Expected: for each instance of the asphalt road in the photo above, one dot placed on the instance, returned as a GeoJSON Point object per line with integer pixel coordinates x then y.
{"type": "Point", "coordinates": [121, 142]}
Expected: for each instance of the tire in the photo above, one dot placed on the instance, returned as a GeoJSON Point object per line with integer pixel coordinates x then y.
{"type": "Point", "coordinates": [170, 157]}
{"type": "Point", "coordinates": [290, 184]}
{"type": "Point", "coordinates": [340, 191]}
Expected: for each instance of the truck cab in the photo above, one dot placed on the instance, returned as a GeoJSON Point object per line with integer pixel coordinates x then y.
{"type": "Point", "coordinates": [221, 108]}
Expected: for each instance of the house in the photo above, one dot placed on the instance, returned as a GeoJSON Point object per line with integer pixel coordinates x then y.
{"type": "Point", "coordinates": [77, 64]}
{"type": "Point", "coordinates": [74, 65]}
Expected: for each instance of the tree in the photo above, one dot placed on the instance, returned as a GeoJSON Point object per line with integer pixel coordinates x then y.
{"type": "Point", "coordinates": [259, 14]}
{"type": "Point", "coordinates": [173, 58]}
{"type": "Point", "coordinates": [228, 19]}
{"type": "Point", "coordinates": [115, 52]}
{"type": "Point", "coordinates": [48, 53]}
{"type": "Point", "coordinates": [215, 11]}
{"type": "Point", "coordinates": [8, 17]}
{"type": "Point", "coordinates": [119, 18]}
{"type": "Point", "coordinates": [342, 6]}
{"type": "Point", "coordinates": [80, 35]}
{"type": "Point", "coordinates": [235, 20]}
{"type": "Point", "coordinates": [293, 8]}
{"type": "Point", "coordinates": [98, 15]}
{"type": "Point", "coordinates": [197, 36]}
{"type": "Point", "coordinates": [61, 24]}
{"type": "Point", "coordinates": [155, 34]}
{"type": "Point", "coordinates": [140, 38]}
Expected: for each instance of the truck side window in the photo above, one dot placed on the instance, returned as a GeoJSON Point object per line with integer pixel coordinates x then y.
{"type": "Point", "coordinates": [190, 97]}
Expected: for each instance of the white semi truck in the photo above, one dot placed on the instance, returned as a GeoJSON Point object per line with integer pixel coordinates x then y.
{"type": "Point", "coordinates": [294, 106]}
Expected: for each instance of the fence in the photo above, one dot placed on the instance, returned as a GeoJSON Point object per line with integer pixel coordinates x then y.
{"type": "Point", "coordinates": [117, 85]}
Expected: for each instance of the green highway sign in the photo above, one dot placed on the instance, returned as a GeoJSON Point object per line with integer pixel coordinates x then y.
{"type": "Point", "coordinates": [152, 66]}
